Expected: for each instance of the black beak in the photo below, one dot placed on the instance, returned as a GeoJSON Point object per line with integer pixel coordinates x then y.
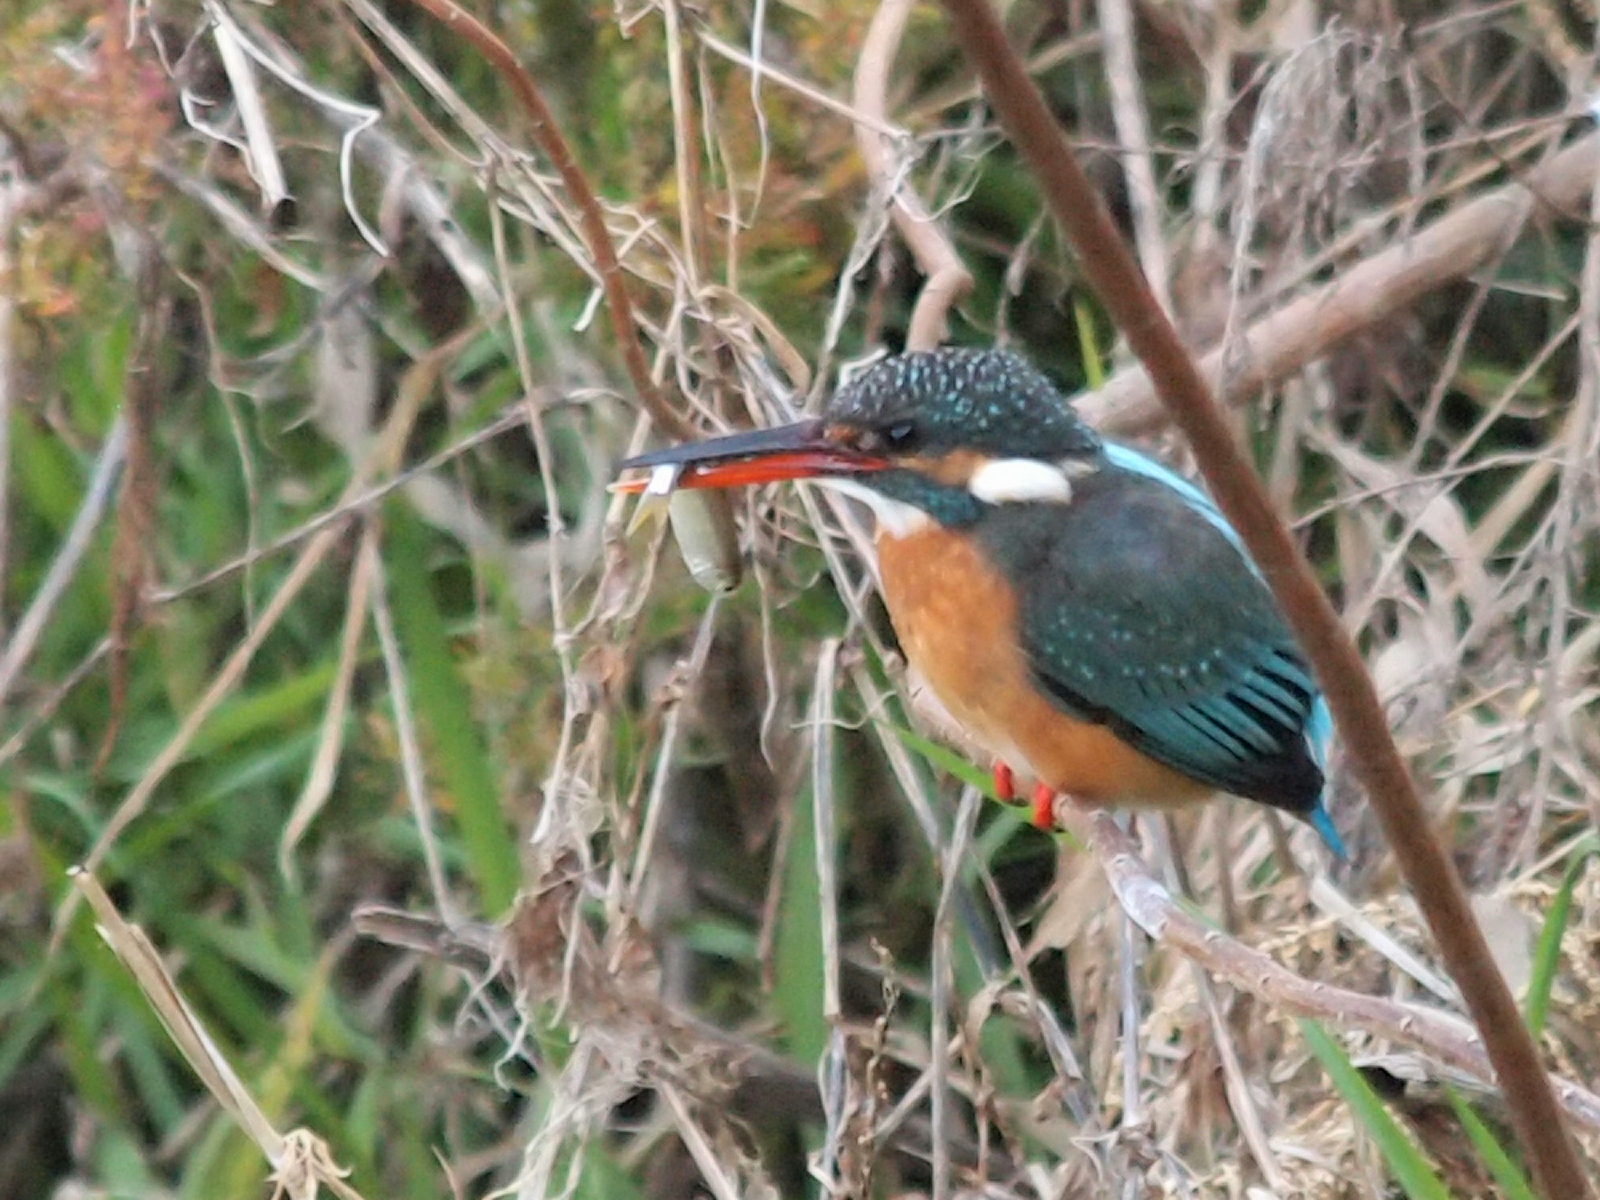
{"type": "Point", "coordinates": [803, 450]}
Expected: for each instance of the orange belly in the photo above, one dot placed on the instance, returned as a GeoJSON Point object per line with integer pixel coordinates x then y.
{"type": "Point", "coordinates": [957, 623]}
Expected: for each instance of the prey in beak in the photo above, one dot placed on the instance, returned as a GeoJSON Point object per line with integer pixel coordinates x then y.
{"type": "Point", "coordinates": [804, 450]}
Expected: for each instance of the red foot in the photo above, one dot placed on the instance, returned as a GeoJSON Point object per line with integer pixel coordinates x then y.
{"type": "Point", "coordinates": [1044, 807]}
{"type": "Point", "coordinates": [1005, 783]}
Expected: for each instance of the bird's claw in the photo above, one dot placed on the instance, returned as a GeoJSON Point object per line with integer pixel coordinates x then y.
{"type": "Point", "coordinates": [1005, 783]}
{"type": "Point", "coordinates": [1044, 807]}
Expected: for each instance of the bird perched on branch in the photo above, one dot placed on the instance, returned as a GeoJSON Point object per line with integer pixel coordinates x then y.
{"type": "Point", "coordinates": [1088, 616]}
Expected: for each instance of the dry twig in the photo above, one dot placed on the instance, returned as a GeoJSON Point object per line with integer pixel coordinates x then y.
{"type": "Point", "coordinates": [1441, 1035]}
{"type": "Point", "coordinates": [1365, 295]}
{"type": "Point", "coordinates": [948, 279]}
{"type": "Point", "coordinates": [596, 232]}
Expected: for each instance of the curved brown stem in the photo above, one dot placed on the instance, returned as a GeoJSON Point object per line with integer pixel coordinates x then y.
{"type": "Point", "coordinates": [592, 217]}
{"type": "Point", "coordinates": [1121, 287]}
{"type": "Point", "coordinates": [1152, 907]}
{"type": "Point", "coordinates": [947, 276]}
{"type": "Point", "coordinates": [1363, 296]}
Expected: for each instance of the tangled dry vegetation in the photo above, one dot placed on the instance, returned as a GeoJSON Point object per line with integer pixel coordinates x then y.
{"type": "Point", "coordinates": [327, 650]}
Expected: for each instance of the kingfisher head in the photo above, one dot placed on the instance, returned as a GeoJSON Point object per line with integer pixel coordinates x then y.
{"type": "Point", "coordinates": [936, 435]}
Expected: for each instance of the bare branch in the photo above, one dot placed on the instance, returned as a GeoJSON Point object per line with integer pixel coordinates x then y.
{"type": "Point", "coordinates": [1133, 131]}
{"type": "Point", "coordinates": [948, 277]}
{"type": "Point", "coordinates": [1147, 900]}
{"type": "Point", "coordinates": [1369, 293]}
{"type": "Point", "coordinates": [596, 233]}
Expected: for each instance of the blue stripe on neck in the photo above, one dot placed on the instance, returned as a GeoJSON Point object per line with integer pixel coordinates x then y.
{"type": "Point", "coordinates": [1129, 459]}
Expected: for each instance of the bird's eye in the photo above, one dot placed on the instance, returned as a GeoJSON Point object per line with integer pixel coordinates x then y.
{"type": "Point", "coordinates": [902, 436]}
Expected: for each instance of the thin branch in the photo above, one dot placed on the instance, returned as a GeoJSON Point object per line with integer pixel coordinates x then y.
{"type": "Point", "coordinates": [413, 773]}
{"type": "Point", "coordinates": [348, 505]}
{"type": "Point", "coordinates": [1148, 902]}
{"type": "Point", "coordinates": [1369, 293]}
{"type": "Point", "coordinates": [948, 279]}
{"type": "Point", "coordinates": [666, 753]}
{"type": "Point", "coordinates": [15, 192]}
{"type": "Point", "coordinates": [318, 787]}
{"type": "Point", "coordinates": [301, 1161]}
{"type": "Point", "coordinates": [942, 970]}
{"type": "Point", "coordinates": [686, 153]}
{"type": "Point", "coordinates": [1133, 132]}
{"type": "Point", "coordinates": [1116, 278]}
{"type": "Point", "coordinates": [758, 1083]}
{"type": "Point", "coordinates": [596, 233]}
{"type": "Point", "coordinates": [42, 706]}
{"type": "Point", "coordinates": [809, 92]}
{"type": "Point", "coordinates": [261, 151]}
{"type": "Point", "coordinates": [824, 694]}
{"type": "Point", "coordinates": [80, 538]}
{"type": "Point", "coordinates": [223, 683]}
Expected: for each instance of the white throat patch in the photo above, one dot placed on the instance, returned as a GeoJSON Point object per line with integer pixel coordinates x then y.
{"type": "Point", "coordinates": [895, 517]}
{"type": "Point", "coordinates": [1020, 481]}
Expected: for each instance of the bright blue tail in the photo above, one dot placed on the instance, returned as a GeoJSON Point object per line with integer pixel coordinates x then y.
{"type": "Point", "coordinates": [1319, 732]}
{"type": "Point", "coordinates": [1323, 824]}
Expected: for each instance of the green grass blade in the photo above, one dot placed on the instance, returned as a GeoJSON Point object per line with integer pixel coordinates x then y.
{"type": "Point", "coordinates": [1094, 368]}
{"type": "Point", "coordinates": [1514, 1185]}
{"type": "Point", "coordinates": [797, 951]}
{"type": "Point", "coordinates": [1547, 956]}
{"type": "Point", "coordinates": [444, 708]}
{"type": "Point", "coordinates": [1410, 1166]}
{"type": "Point", "coordinates": [275, 709]}
{"type": "Point", "coordinates": [947, 760]}
{"type": "Point", "coordinates": [1002, 1047]}
{"type": "Point", "coordinates": [22, 1032]}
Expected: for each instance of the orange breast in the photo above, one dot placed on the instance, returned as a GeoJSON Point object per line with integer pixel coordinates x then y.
{"type": "Point", "coordinates": [957, 622]}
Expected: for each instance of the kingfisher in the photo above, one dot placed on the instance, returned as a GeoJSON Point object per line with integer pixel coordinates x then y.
{"type": "Point", "coordinates": [1088, 616]}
